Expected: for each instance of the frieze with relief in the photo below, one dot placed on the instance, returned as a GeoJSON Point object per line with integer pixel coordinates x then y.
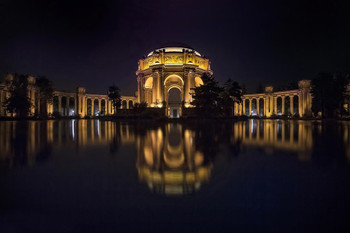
{"type": "Point", "coordinates": [174, 59]}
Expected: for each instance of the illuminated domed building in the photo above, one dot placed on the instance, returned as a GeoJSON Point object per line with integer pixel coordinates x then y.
{"type": "Point", "coordinates": [167, 74]}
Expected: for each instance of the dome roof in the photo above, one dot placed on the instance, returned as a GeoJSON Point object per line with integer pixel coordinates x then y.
{"type": "Point", "coordinates": [175, 44]}
{"type": "Point", "coordinates": [174, 47]}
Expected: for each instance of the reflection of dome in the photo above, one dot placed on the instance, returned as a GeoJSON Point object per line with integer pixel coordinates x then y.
{"type": "Point", "coordinates": [169, 163]}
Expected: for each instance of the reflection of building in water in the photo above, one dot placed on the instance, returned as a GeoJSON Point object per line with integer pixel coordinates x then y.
{"type": "Point", "coordinates": [25, 142]}
{"type": "Point", "coordinates": [346, 137]}
{"type": "Point", "coordinates": [276, 134]}
{"type": "Point", "coordinates": [168, 162]}
{"type": "Point", "coordinates": [22, 143]}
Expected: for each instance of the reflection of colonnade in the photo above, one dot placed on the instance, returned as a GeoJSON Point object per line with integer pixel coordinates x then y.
{"type": "Point", "coordinates": [277, 103]}
{"type": "Point", "coordinates": [26, 139]}
{"type": "Point", "coordinates": [276, 134]}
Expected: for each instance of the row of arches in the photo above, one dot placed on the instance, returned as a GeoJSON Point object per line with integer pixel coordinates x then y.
{"type": "Point", "coordinates": [286, 105]}
{"type": "Point", "coordinates": [67, 106]}
{"type": "Point", "coordinates": [156, 90]}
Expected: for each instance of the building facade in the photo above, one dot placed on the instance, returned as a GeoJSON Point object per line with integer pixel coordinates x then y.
{"type": "Point", "coordinates": [270, 103]}
{"type": "Point", "coordinates": [166, 76]}
{"type": "Point", "coordinates": [78, 103]}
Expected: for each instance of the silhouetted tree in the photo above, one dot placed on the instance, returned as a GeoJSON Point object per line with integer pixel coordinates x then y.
{"type": "Point", "coordinates": [206, 97]}
{"type": "Point", "coordinates": [328, 91]}
{"type": "Point", "coordinates": [114, 96]}
{"type": "Point", "coordinates": [140, 107]}
{"type": "Point", "coordinates": [18, 102]}
{"type": "Point", "coordinates": [45, 94]}
{"type": "Point", "coordinates": [232, 94]}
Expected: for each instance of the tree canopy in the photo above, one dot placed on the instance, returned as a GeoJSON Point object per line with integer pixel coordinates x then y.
{"type": "Point", "coordinates": [114, 96]}
{"type": "Point", "coordinates": [45, 93]}
{"type": "Point", "coordinates": [18, 102]}
{"type": "Point", "coordinates": [211, 99]}
{"type": "Point", "coordinates": [328, 91]}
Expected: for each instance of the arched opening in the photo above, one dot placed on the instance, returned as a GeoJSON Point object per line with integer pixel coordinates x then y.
{"type": "Point", "coordinates": [148, 90]}
{"type": "Point", "coordinates": [279, 106]}
{"type": "Point", "coordinates": [174, 102]}
{"type": "Point", "coordinates": [198, 81]}
{"type": "Point", "coordinates": [131, 104]}
{"type": "Point", "coordinates": [295, 104]}
{"type": "Point", "coordinates": [261, 107]}
{"type": "Point", "coordinates": [254, 107]}
{"type": "Point", "coordinates": [287, 105]}
{"type": "Point", "coordinates": [63, 106]}
{"type": "Point", "coordinates": [103, 108]}
{"type": "Point", "coordinates": [124, 104]}
{"type": "Point", "coordinates": [55, 104]}
{"type": "Point", "coordinates": [96, 110]}
{"type": "Point", "coordinates": [246, 110]}
{"type": "Point", "coordinates": [71, 106]}
{"type": "Point", "coordinates": [88, 107]}
{"type": "Point", "coordinates": [149, 83]}
{"type": "Point", "coordinates": [173, 78]}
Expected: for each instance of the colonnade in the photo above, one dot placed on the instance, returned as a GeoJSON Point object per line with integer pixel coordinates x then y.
{"type": "Point", "coordinates": [297, 102]}
{"type": "Point", "coordinates": [85, 104]}
{"type": "Point", "coordinates": [67, 103]}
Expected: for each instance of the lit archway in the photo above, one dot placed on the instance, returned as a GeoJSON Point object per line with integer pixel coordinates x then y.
{"type": "Point", "coordinates": [261, 107]}
{"type": "Point", "coordinates": [173, 78]}
{"type": "Point", "coordinates": [198, 81]}
{"type": "Point", "coordinates": [279, 106]}
{"type": "Point", "coordinates": [148, 90]}
{"type": "Point", "coordinates": [174, 101]}
{"type": "Point", "coordinates": [149, 83]}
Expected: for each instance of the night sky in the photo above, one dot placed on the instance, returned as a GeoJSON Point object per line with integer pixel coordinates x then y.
{"type": "Point", "coordinates": [98, 43]}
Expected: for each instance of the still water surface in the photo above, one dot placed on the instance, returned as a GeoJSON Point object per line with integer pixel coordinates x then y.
{"type": "Point", "coordinates": [249, 176]}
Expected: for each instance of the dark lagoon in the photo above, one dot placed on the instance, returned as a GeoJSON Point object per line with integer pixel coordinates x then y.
{"type": "Point", "coordinates": [210, 176]}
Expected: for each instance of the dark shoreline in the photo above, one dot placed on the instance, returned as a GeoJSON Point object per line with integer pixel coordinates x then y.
{"type": "Point", "coordinates": [166, 119]}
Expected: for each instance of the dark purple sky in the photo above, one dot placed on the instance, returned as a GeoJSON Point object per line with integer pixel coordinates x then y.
{"type": "Point", "coordinates": [98, 43]}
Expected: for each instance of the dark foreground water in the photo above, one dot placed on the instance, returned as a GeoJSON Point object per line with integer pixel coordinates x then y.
{"type": "Point", "coordinates": [253, 176]}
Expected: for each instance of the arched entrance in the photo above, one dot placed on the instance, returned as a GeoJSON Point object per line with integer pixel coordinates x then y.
{"type": "Point", "coordinates": [174, 102]}
{"type": "Point", "coordinates": [173, 85]}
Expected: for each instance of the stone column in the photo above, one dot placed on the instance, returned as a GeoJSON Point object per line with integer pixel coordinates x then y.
{"type": "Point", "coordinates": [258, 106]}
{"type": "Point", "coordinates": [92, 107]}
{"type": "Point", "coordinates": [139, 89]}
{"type": "Point", "coordinates": [99, 106]}
{"type": "Point", "coordinates": [235, 112]}
{"type": "Point", "coordinates": [283, 110]}
{"type": "Point", "coordinates": [159, 90]}
{"type": "Point", "coordinates": [59, 109]}
{"type": "Point", "coordinates": [244, 113]}
{"type": "Point", "coordinates": [301, 104]}
{"type": "Point", "coordinates": [1, 103]}
{"type": "Point", "coordinates": [291, 105]}
{"type": "Point", "coordinates": [154, 87]}
{"type": "Point", "coordinates": [250, 107]}
{"type": "Point", "coordinates": [275, 105]}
